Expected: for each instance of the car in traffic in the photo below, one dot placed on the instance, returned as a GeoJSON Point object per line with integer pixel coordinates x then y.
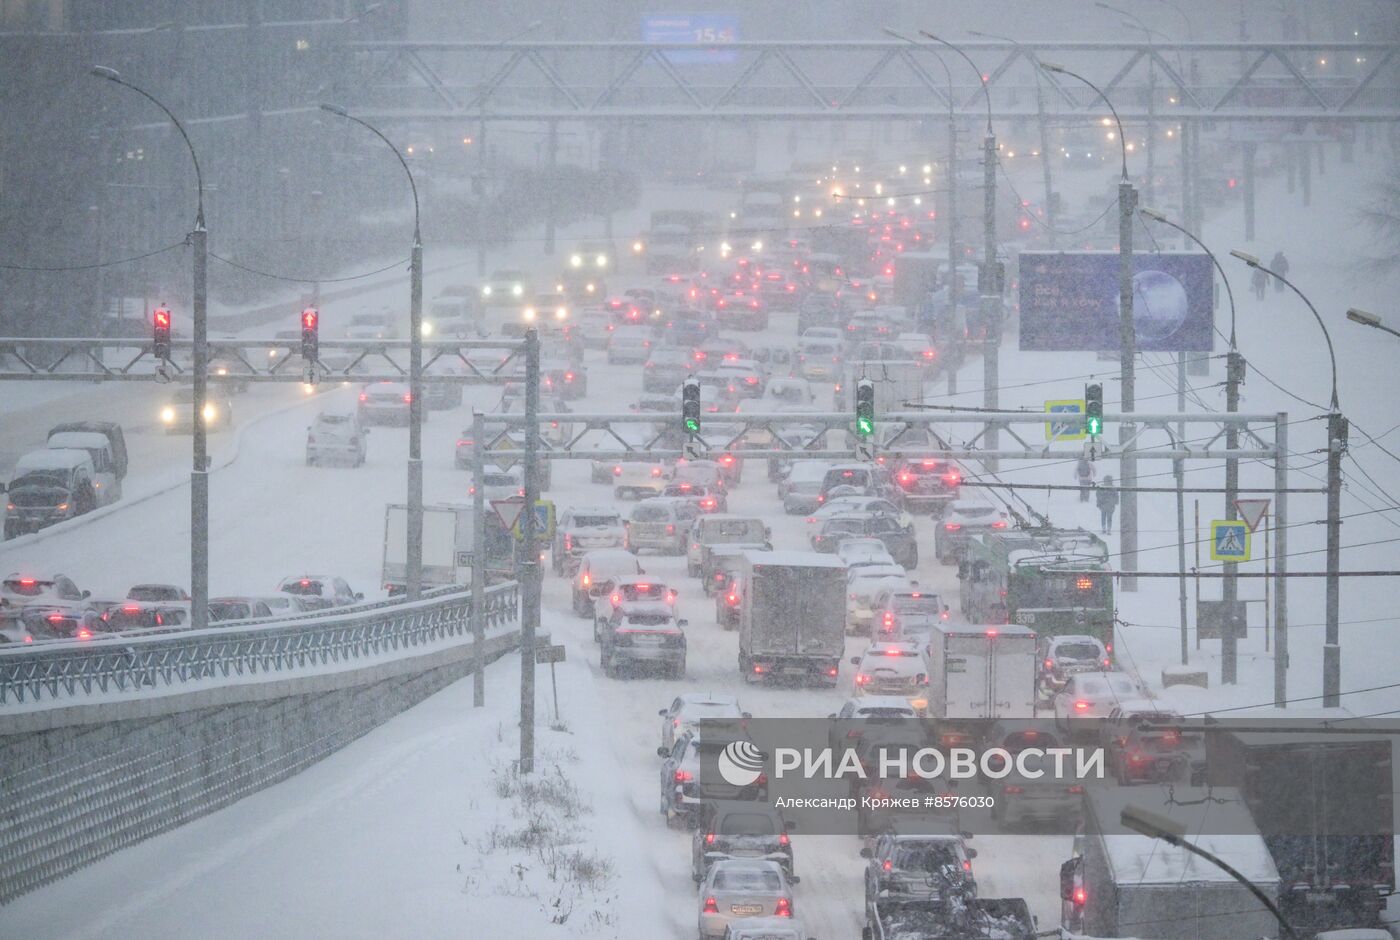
{"type": "Point", "coordinates": [899, 541]}
{"type": "Point", "coordinates": [177, 416]}
{"type": "Point", "coordinates": [665, 369]}
{"type": "Point", "coordinates": [728, 829]}
{"type": "Point", "coordinates": [800, 489]}
{"type": "Point", "coordinates": [914, 865]}
{"type": "Point", "coordinates": [659, 524]}
{"type": "Point", "coordinates": [226, 609]}
{"type": "Point", "coordinates": [1032, 792]}
{"type": "Point", "coordinates": [707, 497]}
{"type": "Point", "coordinates": [372, 326]}
{"type": "Point", "coordinates": [49, 486]}
{"type": "Point", "coordinates": [861, 590]}
{"type": "Point", "coordinates": [49, 606]}
{"type": "Point", "coordinates": [907, 615]}
{"type": "Point", "coordinates": [710, 531]}
{"type": "Point", "coordinates": [736, 889]}
{"type": "Point", "coordinates": [1068, 655]}
{"type": "Point", "coordinates": [964, 519]}
{"type": "Point", "coordinates": [317, 591]}
{"type": "Point", "coordinates": [336, 438]}
{"type": "Point", "coordinates": [582, 529]}
{"type": "Point", "coordinates": [505, 287]}
{"type": "Point", "coordinates": [629, 344]}
{"type": "Point", "coordinates": [690, 707]}
{"type": "Point", "coordinates": [638, 479]}
{"type": "Point", "coordinates": [1088, 698]}
{"type": "Point", "coordinates": [597, 572]}
{"type": "Point", "coordinates": [496, 483]}
{"type": "Point", "coordinates": [385, 403]}
{"type": "Point", "coordinates": [684, 789]}
{"type": "Point", "coordinates": [928, 484]}
{"type": "Point", "coordinates": [858, 479]}
{"type": "Point", "coordinates": [642, 635]}
{"type": "Point", "coordinates": [893, 668]}
{"type": "Point", "coordinates": [132, 615]}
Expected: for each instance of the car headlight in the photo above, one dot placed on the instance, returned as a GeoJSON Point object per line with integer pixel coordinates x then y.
{"type": "Point", "coordinates": [590, 287]}
{"type": "Point", "coordinates": [210, 412]}
{"type": "Point", "coordinates": [562, 313]}
{"type": "Point", "coordinates": [167, 414]}
{"type": "Point", "coordinates": [601, 261]}
{"type": "Point", "coordinates": [517, 289]}
{"type": "Point", "coordinates": [576, 261]}
{"type": "Point", "coordinates": [427, 329]}
{"type": "Point", "coordinates": [528, 313]}
{"type": "Point", "coordinates": [486, 291]}
{"type": "Point", "coordinates": [638, 247]}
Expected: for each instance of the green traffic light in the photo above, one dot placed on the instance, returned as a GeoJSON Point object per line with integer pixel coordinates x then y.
{"type": "Point", "coordinates": [865, 427]}
{"type": "Point", "coordinates": [1093, 425]}
{"type": "Point", "coordinates": [692, 425]}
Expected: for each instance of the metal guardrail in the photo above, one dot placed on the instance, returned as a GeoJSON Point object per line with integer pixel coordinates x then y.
{"type": "Point", "coordinates": [165, 661]}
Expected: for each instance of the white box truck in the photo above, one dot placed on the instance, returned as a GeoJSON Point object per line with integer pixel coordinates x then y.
{"type": "Point", "coordinates": [896, 381]}
{"type": "Point", "coordinates": [792, 616]}
{"type": "Point", "coordinates": [447, 546]}
{"type": "Point", "coordinates": [978, 675]}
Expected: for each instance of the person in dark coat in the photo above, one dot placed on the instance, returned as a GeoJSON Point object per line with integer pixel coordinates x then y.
{"type": "Point", "coordinates": [1107, 500]}
{"type": "Point", "coordinates": [1279, 265]}
{"type": "Point", "coordinates": [1084, 475]}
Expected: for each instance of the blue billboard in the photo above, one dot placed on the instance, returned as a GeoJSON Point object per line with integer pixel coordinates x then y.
{"type": "Point", "coordinates": [1070, 301]}
{"type": "Point", "coordinates": [708, 32]}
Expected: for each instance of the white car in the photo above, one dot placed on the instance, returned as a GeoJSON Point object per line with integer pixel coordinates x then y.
{"type": "Point", "coordinates": [317, 591]}
{"type": "Point", "coordinates": [893, 668]}
{"type": "Point", "coordinates": [860, 596]}
{"type": "Point", "coordinates": [505, 287]}
{"type": "Point", "coordinates": [372, 326]}
{"type": "Point", "coordinates": [739, 888]}
{"type": "Point", "coordinates": [632, 590]}
{"type": "Point", "coordinates": [963, 519]}
{"type": "Point", "coordinates": [335, 438]}
{"type": "Point", "coordinates": [691, 707]}
{"type": "Point", "coordinates": [851, 551]}
{"type": "Point", "coordinates": [385, 403]}
{"type": "Point", "coordinates": [638, 480]}
{"type": "Point", "coordinates": [876, 505]}
{"type": "Point", "coordinates": [788, 391]}
{"type": "Point", "coordinates": [1088, 697]}
{"type": "Point", "coordinates": [629, 344]}
{"type": "Point", "coordinates": [106, 485]}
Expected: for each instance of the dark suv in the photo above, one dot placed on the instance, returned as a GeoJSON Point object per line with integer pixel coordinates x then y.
{"type": "Point", "coordinates": [739, 829]}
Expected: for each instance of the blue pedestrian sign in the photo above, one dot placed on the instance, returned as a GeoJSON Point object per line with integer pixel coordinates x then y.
{"type": "Point", "coordinates": [1064, 430]}
{"type": "Point", "coordinates": [544, 521]}
{"type": "Point", "coordinates": [1229, 540]}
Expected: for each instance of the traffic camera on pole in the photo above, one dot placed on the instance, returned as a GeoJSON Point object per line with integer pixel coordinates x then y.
{"type": "Point", "coordinates": [690, 406]}
{"type": "Point", "coordinates": [310, 334]}
{"type": "Point", "coordinates": [160, 325]}
{"type": "Point", "coordinates": [865, 408]}
{"type": "Point", "coordinates": [1093, 410]}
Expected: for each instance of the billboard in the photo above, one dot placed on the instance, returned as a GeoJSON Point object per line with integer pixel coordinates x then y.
{"type": "Point", "coordinates": [708, 32]}
{"type": "Point", "coordinates": [1069, 301]}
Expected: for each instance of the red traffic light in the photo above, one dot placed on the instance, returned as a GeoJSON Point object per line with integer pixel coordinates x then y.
{"type": "Point", "coordinates": [309, 318]}
{"type": "Point", "coordinates": [161, 318]}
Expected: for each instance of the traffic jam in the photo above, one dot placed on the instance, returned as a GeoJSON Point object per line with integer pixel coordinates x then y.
{"type": "Point", "coordinates": [894, 595]}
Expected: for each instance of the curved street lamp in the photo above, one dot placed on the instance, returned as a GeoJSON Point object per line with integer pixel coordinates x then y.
{"type": "Point", "coordinates": [199, 472]}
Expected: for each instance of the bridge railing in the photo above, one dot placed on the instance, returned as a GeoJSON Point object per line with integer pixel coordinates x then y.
{"type": "Point", "coordinates": [164, 662]}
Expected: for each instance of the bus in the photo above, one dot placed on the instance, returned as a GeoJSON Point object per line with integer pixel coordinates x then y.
{"type": "Point", "coordinates": [1055, 581]}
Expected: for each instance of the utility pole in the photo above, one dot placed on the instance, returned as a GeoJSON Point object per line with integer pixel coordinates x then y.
{"type": "Point", "coordinates": [1127, 205]}
{"type": "Point", "coordinates": [415, 418]}
{"type": "Point", "coordinates": [478, 561]}
{"type": "Point", "coordinates": [1337, 428]}
{"type": "Point", "coordinates": [1281, 562]}
{"type": "Point", "coordinates": [199, 475]}
{"type": "Point", "coordinates": [1234, 375]}
{"type": "Point", "coordinates": [955, 339]}
{"type": "Point", "coordinates": [530, 554]}
{"type": "Point", "coordinates": [990, 293]}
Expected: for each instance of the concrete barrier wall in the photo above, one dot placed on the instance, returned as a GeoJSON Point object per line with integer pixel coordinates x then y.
{"type": "Point", "coordinates": [79, 790]}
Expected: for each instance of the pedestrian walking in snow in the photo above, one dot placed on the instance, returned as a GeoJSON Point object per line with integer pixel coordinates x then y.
{"type": "Point", "coordinates": [1084, 473]}
{"type": "Point", "coordinates": [1279, 265]}
{"type": "Point", "coordinates": [1107, 499]}
{"type": "Point", "coordinates": [1260, 283]}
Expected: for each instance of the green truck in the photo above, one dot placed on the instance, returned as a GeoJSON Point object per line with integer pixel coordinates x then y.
{"type": "Point", "coordinates": [1055, 581]}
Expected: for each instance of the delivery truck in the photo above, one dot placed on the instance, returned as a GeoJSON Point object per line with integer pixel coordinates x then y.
{"type": "Point", "coordinates": [977, 675]}
{"type": "Point", "coordinates": [792, 618]}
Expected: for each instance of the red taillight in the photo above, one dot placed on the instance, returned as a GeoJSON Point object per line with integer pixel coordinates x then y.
{"type": "Point", "coordinates": [1080, 896]}
{"type": "Point", "coordinates": [784, 908]}
{"type": "Point", "coordinates": [1011, 789]}
{"type": "Point", "coordinates": [656, 471]}
{"type": "Point", "coordinates": [709, 838]}
{"type": "Point", "coordinates": [408, 398]}
{"type": "Point", "coordinates": [783, 839]}
{"type": "Point", "coordinates": [26, 582]}
{"type": "Point", "coordinates": [131, 609]}
{"type": "Point", "coordinates": [54, 618]}
{"type": "Point", "coordinates": [758, 669]}
{"type": "Point", "coordinates": [616, 599]}
{"type": "Point", "coordinates": [568, 542]}
{"type": "Point", "coordinates": [1074, 788]}
{"type": "Point", "coordinates": [587, 579]}
{"type": "Point", "coordinates": [711, 907]}
{"type": "Point", "coordinates": [831, 671]}
{"type": "Point", "coordinates": [568, 376]}
{"type": "Point", "coordinates": [862, 678]}
{"type": "Point", "coordinates": [1049, 664]}
{"type": "Point", "coordinates": [999, 524]}
{"type": "Point", "coordinates": [670, 529]}
{"type": "Point", "coordinates": [684, 776]}
{"type": "Point", "coordinates": [1105, 664]}
{"type": "Point", "coordinates": [1081, 706]}
{"type": "Point", "coordinates": [617, 471]}
{"type": "Point", "coordinates": [733, 599]}
{"type": "Point", "coordinates": [889, 865]}
{"type": "Point", "coordinates": [952, 526]}
{"type": "Point", "coordinates": [364, 397]}
{"type": "Point", "coordinates": [967, 866]}
{"type": "Point", "coordinates": [84, 633]}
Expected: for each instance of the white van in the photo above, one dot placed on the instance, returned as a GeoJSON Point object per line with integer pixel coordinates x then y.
{"type": "Point", "coordinates": [106, 484]}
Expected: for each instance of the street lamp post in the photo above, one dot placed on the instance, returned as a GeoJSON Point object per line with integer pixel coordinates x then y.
{"type": "Point", "coordinates": [954, 359]}
{"type": "Point", "coordinates": [1337, 428]}
{"type": "Point", "coordinates": [1050, 213]}
{"type": "Point", "coordinates": [1234, 377]}
{"type": "Point", "coordinates": [1370, 319]}
{"type": "Point", "coordinates": [415, 372]}
{"type": "Point", "coordinates": [199, 472]}
{"type": "Point", "coordinates": [990, 287]}
{"type": "Point", "coordinates": [1127, 342]}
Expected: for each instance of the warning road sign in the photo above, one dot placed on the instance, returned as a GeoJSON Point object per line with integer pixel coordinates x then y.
{"type": "Point", "coordinates": [508, 510]}
{"type": "Point", "coordinates": [1252, 511]}
{"type": "Point", "coordinates": [1229, 540]}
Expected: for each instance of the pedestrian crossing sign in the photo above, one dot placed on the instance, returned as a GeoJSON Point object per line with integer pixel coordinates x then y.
{"type": "Point", "coordinates": [1229, 540]}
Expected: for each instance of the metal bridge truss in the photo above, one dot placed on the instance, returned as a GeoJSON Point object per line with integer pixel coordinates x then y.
{"type": "Point", "coordinates": [445, 361]}
{"type": "Point", "coordinates": [471, 82]}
